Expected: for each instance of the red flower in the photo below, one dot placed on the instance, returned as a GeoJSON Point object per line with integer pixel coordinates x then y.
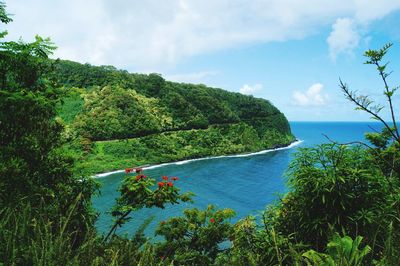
{"type": "Point", "coordinates": [129, 170]}
{"type": "Point", "coordinates": [160, 184]}
{"type": "Point", "coordinates": [138, 170]}
{"type": "Point", "coordinates": [162, 222]}
{"type": "Point", "coordinates": [212, 220]}
{"type": "Point", "coordinates": [174, 178]}
{"type": "Point", "coordinates": [140, 176]}
{"type": "Point", "coordinates": [165, 177]}
{"type": "Point", "coordinates": [170, 184]}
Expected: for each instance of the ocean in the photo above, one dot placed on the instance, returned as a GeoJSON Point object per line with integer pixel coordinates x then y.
{"type": "Point", "coordinates": [246, 184]}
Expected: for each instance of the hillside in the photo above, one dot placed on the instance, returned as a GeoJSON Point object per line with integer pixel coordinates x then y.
{"type": "Point", "coordinates": [116, 119]}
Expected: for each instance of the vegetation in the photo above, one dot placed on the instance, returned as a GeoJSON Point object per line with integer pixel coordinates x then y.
{"type": "Point", "coordinates": [139, 192]}
{"type": "Point", "coordinates": [109, 113]}
{"type": "Point", "coordinates": [177, 145]}
{"type": "Point", "coordinates": [36, 176]}
{"type": "Point", "coordinates": [341, 251]}
{"type": "Point", "coordinates": [342, 208]}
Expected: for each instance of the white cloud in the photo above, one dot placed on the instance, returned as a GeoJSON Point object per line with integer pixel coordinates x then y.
{"type": "Point", "coordinates": [371, 9]}
{"type": "Point", "coordinates": [312, 97]}
{"type": "Point", "coordinates": [193, 77]}
{"type": "Point", "coordinates": [346, 32]}
{"type": "Point", "coordinates": [157, 34]}
{"type": "Point", "coordinates": [343, 38]}
{"type": "Point", "coordinates": [250, 89]}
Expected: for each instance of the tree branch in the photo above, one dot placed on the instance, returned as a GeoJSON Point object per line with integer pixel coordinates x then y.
{"type": "Point", "coordinates": [364, 107]}
{"type": "Point", "coordinates": [388, 95]}
{"type": "Point", "coordinates": [114, 228]}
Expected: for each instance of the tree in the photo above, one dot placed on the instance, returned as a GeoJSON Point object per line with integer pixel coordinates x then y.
{"type": "Point", "coordinates": [33, 166]}
{"type": "Point", "coordinates": [364, 103]}
{"type": "Point", "coordinates": [196, 238]}
{"type": "Point", "coordinates": [139, 191]}
{"type": "Point", "coordinates": [4, 17]}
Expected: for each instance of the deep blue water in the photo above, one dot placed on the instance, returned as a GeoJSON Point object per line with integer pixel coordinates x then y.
{"type": "Point", "coordinates": [245, 184]}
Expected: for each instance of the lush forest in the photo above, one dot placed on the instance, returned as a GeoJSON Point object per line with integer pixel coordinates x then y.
{"type": "Point", "coordinates": [114, 118]}
{"type": "Point", "coordinates": [342, 207]}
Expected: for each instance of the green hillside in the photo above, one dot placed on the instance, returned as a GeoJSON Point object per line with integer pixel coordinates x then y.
{"type": "Point", "coordinates": [115, 119]}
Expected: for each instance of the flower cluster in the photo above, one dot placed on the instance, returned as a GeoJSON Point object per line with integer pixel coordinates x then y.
{"type": "Point", "coordinates": [140, 177]}
{"type": "Point", "coordinates": [166, 183]}
{"type": "Point", "coordinates": [131, 170]}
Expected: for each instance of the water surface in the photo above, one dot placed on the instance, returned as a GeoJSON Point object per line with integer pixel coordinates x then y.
{"type": "Point", "coordinates": [245, 184]}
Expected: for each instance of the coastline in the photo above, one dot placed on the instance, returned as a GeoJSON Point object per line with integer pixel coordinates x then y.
{"type": "Point", "coordinates": [146, 167]}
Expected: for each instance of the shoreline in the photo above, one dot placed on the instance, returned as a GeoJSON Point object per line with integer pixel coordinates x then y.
{"type": "Point", "coordinates": [291, 145]}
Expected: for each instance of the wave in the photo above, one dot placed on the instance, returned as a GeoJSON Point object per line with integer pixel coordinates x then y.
{"type": "Point", "coordinates": [109, 173]}
{"type": "Point", "coordinates": [293, 144]}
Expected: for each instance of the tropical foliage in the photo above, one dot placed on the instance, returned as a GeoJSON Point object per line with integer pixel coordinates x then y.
{"type": "Point", "coordinates": [342, 207]}
{"type": "Point", "coordinates": [36, 180]}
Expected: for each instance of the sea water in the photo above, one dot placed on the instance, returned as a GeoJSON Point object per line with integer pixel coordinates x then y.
{"type": "Point", "coordinates": [246, 184]}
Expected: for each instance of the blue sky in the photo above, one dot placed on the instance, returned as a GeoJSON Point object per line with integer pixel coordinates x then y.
{"type": "Point", "coordinates": [289, 52]}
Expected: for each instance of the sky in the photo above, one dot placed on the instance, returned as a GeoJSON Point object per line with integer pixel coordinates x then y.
{"type": "Point", "coordinates": [290, 52]}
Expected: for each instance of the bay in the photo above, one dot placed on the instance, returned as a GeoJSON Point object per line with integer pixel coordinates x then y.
{"type": "Point", "coordinates": [245, 184]}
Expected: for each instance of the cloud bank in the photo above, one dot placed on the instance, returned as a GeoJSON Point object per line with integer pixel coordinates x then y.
{"type": "Point", "coordinates": [346, 31]}
{"type": "Point", "coordinates": [156, 34]}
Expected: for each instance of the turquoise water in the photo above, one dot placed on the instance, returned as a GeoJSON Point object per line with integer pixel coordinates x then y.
{"type": "Point", "coordinates": [245, 184]}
